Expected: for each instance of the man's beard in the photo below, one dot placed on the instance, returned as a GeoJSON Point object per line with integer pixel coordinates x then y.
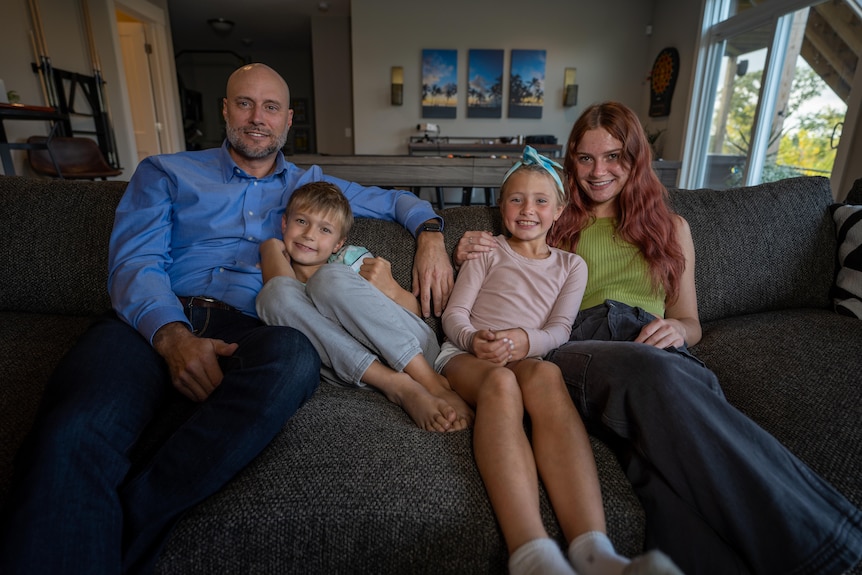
{"type": "Point", "coordinates": [234, 136]}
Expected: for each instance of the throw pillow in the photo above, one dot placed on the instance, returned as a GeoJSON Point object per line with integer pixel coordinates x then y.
{"type": "Point", "coordinates": [848, 282]}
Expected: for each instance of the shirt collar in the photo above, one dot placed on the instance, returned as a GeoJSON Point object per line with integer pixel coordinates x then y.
{"type": "Point", "coordinates": [229, 166]}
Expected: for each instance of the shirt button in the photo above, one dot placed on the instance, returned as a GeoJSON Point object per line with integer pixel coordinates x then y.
{"type": "Point", "coordinates": [251, 238]}
{"type": "Point", "coordinates": [221, 270]}
{"type": "Point", "coordinates": [251, 213]}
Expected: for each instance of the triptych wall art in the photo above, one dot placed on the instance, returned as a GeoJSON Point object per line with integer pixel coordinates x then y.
{"type": "Point", "coordinates": [484, 83]}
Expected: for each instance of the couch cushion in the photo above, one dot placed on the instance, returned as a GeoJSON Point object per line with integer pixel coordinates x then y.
{"type": "Point", "coordinates": [760, 248]}
{"type": "Point", "coordinates": [32, 343]}
{"type": "Point", "coordinates": [797, 374]}
{"type": "Point", "coordinates": [848, 281]}
{"type": "Point", "coordinates": [351, 485]}
{"type": "Point", "coordinates": [54, 256]}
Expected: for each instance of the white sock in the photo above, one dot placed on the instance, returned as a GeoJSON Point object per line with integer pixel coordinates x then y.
{"type": "Point", "coordinates": [539, 557]}
{"type": "Point", "coordinates": [592, 553]}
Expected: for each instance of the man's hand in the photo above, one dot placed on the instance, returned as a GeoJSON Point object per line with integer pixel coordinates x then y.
{"type": "Point", "coordinates": [433, 277]}
{"type": "Point", "coordinates": [192, 360]}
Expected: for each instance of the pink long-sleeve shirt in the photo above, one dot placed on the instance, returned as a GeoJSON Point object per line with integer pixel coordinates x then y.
{"type": "Point", "coordinates": [504, 290]}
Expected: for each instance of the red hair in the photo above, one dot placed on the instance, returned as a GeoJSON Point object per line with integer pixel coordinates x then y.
{"type": "Point", "coordinates": [646, 219]}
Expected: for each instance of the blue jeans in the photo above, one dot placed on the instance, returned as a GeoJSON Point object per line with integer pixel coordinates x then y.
{"type": "Point", "coordinates": [75, 506]}
{"type": "Point", "coordinates": [721, 495]}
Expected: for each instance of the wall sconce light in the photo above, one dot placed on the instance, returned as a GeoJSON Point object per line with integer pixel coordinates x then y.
{"type": "Point", "coordinates": [397, 85]}
{"type": "Point", "coordinates": [570, 89]}
{"type": "Point", "coordinates": [221, 26]}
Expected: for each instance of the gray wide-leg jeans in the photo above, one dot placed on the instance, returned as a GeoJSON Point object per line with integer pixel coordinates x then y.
{"type": "Point", "coordinates": [721, 495]}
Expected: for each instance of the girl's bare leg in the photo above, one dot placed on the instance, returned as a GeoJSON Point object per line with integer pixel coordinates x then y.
{"type": "Point", "coordinates": [562, 449]}
{"type": "Point", "coordinates": [501, 447]}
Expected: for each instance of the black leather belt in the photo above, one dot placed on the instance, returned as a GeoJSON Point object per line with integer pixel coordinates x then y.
{"type": "Point", "coordinates": [202, 301]}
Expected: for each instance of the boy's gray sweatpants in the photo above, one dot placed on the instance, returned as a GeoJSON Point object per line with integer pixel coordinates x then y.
{"type": "Point", "coordinates": [348, 320]}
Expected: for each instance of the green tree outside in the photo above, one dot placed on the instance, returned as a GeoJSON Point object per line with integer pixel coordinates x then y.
{"type": "Point", "coordinates": [807, 141]}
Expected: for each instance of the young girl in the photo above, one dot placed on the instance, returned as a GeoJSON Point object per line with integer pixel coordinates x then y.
{"type": "Point", "coordinates": [508, 309]}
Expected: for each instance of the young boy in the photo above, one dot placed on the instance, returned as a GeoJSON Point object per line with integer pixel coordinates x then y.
{"type": "Point", "coordinates": [365, 326]}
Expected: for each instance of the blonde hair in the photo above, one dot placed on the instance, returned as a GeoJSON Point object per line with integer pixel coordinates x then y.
{"type": "Point", "coordinates": [322, 197]}
{"type": "Point", "coordinates": [561, 195]}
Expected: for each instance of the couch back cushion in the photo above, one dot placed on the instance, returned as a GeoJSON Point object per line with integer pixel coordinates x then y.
{"type": "Point", "coordinates": [761, 248]}
{"type": "Point", "coordinates": [54, 254]}
{"type": "Point", "coordinates": [757, 248]}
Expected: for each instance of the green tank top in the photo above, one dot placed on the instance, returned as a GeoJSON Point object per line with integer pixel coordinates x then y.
{"type": "Point", "coordinates": [616, 270]}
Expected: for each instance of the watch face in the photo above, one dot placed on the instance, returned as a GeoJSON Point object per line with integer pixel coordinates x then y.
{"type": "Point", "coordinates": [431, 228]}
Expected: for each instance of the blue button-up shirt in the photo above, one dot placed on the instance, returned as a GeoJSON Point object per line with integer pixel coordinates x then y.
{"type": "Point", "coordinates": [190, 224]}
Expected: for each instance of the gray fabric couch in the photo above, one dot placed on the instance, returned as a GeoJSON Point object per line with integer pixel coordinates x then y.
{"type": "Point", "coordinates": [351, 485]}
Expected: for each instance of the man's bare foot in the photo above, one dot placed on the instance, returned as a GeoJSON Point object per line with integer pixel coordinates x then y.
{"type": "Point", "coordinates": [428, 411]}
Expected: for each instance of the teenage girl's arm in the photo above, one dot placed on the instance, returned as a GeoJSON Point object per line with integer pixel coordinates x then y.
{"type": "Point", "coordinates": [472, 245]}
{"type": "Point", "coordinates": [681, 323]}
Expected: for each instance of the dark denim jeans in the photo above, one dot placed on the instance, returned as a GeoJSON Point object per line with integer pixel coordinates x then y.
{"type": "Point", "coordinates": [75, 508]}
{"type": "Point", "coordinates": [721, 495]}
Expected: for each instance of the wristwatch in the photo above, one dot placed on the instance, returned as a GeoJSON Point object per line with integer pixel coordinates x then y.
{"type": "Point", "coordinates": [432, 226]}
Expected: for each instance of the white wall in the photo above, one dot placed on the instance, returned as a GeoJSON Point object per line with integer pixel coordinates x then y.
{"type": "Point", "coordinates": [330, 40]}
{"type": "Point", "coordinates": [605, 41]}
{"type": "Point", "coordinates": [675, 23]}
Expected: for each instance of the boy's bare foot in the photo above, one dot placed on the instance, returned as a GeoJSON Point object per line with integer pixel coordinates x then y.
{"type": "Point", "coordinates": [441, 389]}
{"type": "Point", "coordinates": [428, 411]}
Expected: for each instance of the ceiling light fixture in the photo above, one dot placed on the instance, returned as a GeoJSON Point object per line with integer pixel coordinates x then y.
{"type": "Point", "coordinates": [221, 26]}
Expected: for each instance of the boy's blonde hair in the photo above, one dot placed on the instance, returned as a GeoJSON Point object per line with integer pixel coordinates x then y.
{"type": "Point", "coordinates": [325, 198]}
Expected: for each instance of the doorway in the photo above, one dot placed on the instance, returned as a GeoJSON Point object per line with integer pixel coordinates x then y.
{"type": "Point", "coordinates": [139, 83]}
{"type": "Point", "coordinates": [150, 78]}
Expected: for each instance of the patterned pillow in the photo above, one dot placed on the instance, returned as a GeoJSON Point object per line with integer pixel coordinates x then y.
{"type": "Point", "coordinates": [848, 283]}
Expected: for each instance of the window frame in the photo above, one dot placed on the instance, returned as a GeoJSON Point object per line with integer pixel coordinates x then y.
{"type": "Point", "coordinates": [716, 28]}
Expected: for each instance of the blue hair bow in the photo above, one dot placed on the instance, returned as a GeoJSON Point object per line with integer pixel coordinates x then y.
{"type": "Point", "coordinates": [532, 157]}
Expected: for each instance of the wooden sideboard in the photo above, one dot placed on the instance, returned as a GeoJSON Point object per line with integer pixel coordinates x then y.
{"type": "Point", "coordinates": [413, 172]}
{"type": "Point", "coordinates": [410, 171]}
{"type": "Point", "coordinates": [470, 149]}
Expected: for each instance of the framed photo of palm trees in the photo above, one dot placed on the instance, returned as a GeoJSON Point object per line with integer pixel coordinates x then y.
{"type": "Point", "coordinates": [439, 83]}
{"type": "Point", "coordinates": [527, 84]}
{"type": "Point", "coordinates": [485, 84]}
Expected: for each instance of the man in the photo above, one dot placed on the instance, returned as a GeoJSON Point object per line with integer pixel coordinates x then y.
{"type": "Point", "coordinates": [183, 278]}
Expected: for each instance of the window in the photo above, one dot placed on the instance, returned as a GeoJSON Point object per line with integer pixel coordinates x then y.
{"type": "Point", "coordinates": [772, 83]}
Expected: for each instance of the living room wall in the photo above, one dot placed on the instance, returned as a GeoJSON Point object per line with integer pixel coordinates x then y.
{"type": "Point", "coordinates": [609, 43]}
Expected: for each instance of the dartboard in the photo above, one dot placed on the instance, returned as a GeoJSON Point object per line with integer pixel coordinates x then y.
{"type": "Point", "coordinates": [662, 81]}
{"type": "Point", "coordinates": [662, 72]}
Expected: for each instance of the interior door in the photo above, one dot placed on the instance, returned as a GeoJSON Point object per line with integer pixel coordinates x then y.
{"type": "Point", "coordinates": [133, 43]}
